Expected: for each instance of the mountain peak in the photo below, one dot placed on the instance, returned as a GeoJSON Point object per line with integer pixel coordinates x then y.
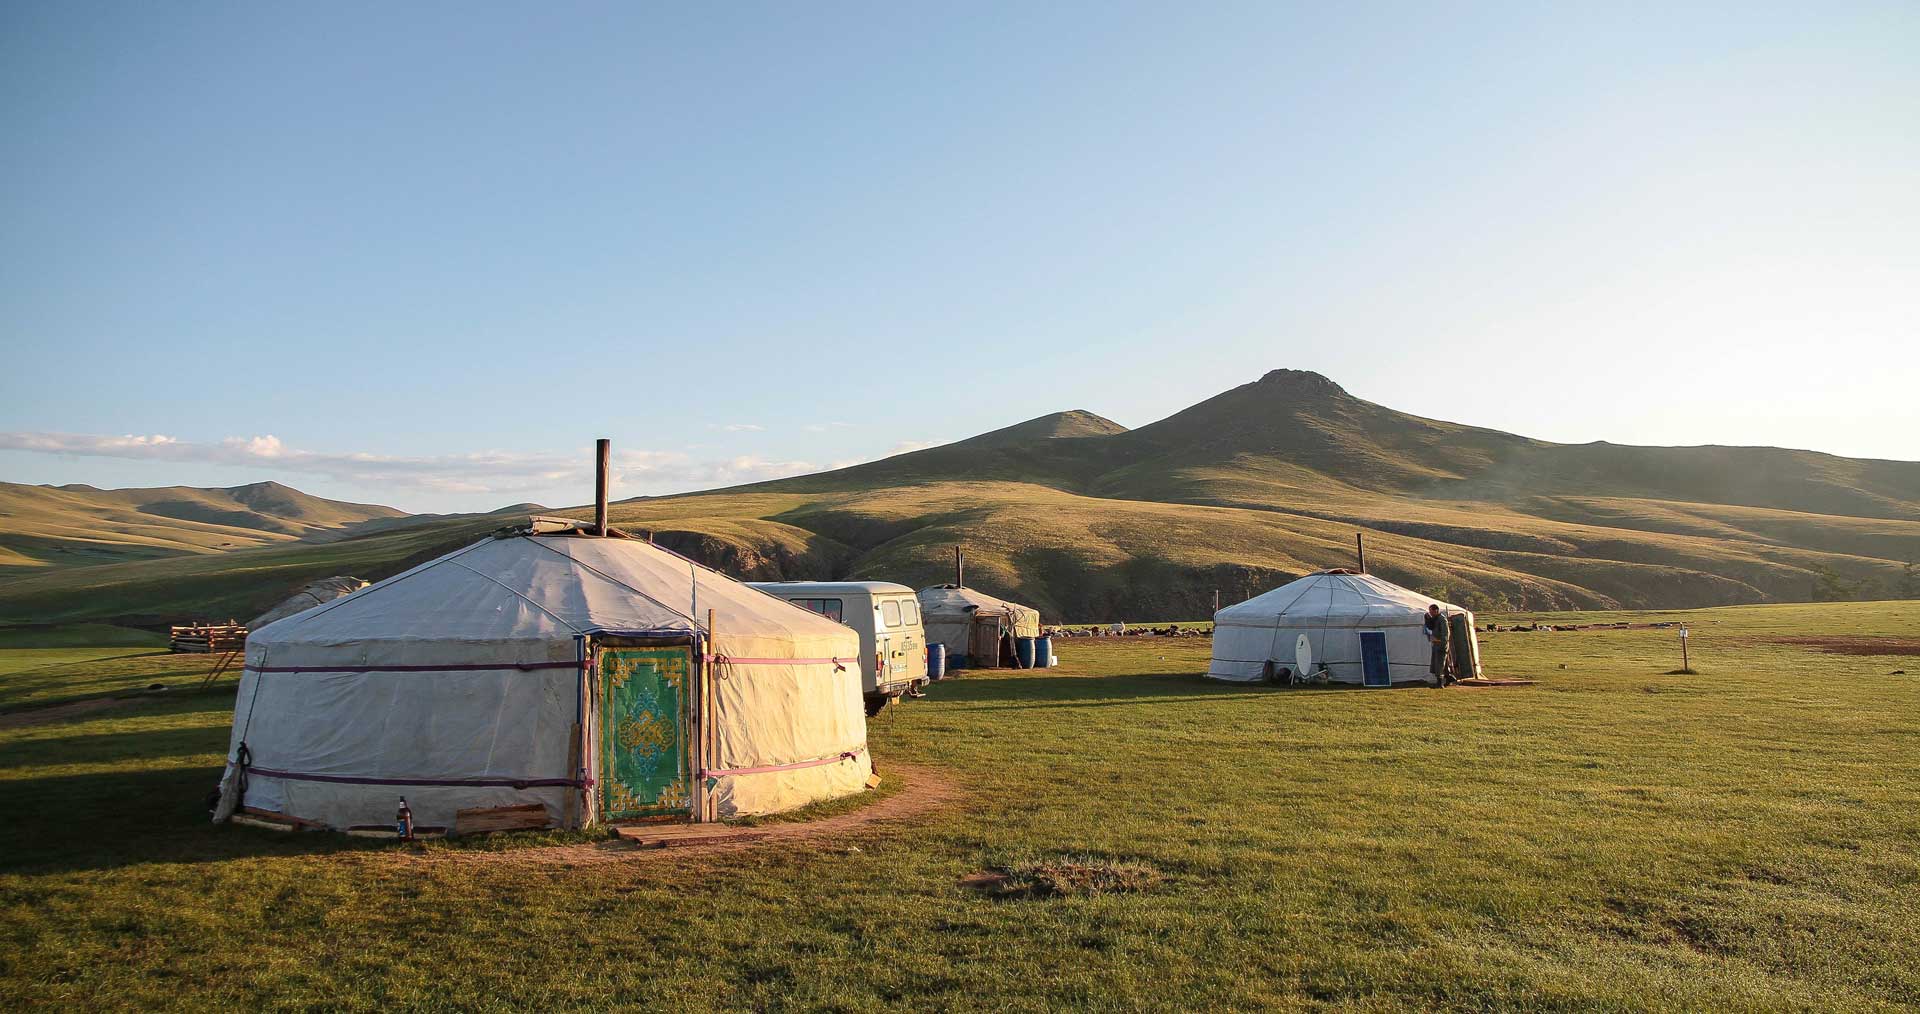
{"type": "Point", "coordinates": [1074, 423]}
{"type": "Point", "coordinates": [1300, 382]}
{"type": "Point", "coordinates": [266, 486]}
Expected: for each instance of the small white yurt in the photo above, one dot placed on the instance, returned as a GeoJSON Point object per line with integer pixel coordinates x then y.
{"type": "Point", "coordinates": [314, 593]}
{"type": "Point", "coordinates": [550, 672]}
{"type": "Point", "coordinates": [1355, 627]}
{"type": "Point", "coordinates": [973, 624]}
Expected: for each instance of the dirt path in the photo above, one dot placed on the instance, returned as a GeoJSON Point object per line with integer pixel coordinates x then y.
{"type": "Point", "coordinates": [926, 789]}
{"type": "Point", "coordinates": [1853, 645]}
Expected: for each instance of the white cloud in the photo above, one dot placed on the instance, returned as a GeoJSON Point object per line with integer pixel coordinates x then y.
{"type": "Point", "coordinates": [825, 426]}
{"type": "Point", "coordinates": [909, 446]}
{"type": "Point", "coordinates": [635, 472]}
{"type": "Point", "coordinates": [738, 427]}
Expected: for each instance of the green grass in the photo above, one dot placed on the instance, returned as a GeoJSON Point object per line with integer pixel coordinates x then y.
{"type": "Point", "coordinates": [48, 527]}
{"type": "Point", "coordinates": [1743, 839]}
{"type": "Point", "coordinates": [238, 584]}
{"type": "Point", "coordinates": [37, 677]}
{"type": "Point", "coordinates": [80, 635]}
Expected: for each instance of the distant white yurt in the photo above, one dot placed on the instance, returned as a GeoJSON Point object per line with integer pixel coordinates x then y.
{"type": "Point", "coordinates": [1356, 627]}
{"type": "Point", "coordinates": [551, 667]}
{"type": "Point", "coordinates": [973, 624]}
{"type": "Point", "coordinates": [314, 593]}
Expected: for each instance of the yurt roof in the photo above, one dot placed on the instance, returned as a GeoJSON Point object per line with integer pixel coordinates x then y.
{"type": "Point", "coordinates": [951, 600]}
{"type": "Point", "coordinates": [314, 593]}
{"type": "Point", "coordinates": [1331, 598]}
{"type": "Point", "coordinates": [549, 586]}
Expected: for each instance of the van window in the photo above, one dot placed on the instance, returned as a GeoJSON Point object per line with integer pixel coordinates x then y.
{"type": "Point", "coordinates": [910, 612]}
{"type": "Point", "coordinates": [829, 608]}
{"type": "Point", "coordinates": [890, 612]}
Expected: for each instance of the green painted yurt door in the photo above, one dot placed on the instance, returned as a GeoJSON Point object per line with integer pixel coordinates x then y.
{"type": "Point", "coordinates": [644, 731]}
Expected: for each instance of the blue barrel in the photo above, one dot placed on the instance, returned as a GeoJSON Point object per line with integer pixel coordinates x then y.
{"type": "Point", "coordinates": [1023, 651]}
{"type": "Point", "coordinates": [936, 661]}
{"type": "Point", "coordinates": [1042, 652]}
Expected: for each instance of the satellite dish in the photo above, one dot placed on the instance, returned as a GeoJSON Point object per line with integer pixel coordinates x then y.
{"type": "Point", "coordinates": [1303, 656]}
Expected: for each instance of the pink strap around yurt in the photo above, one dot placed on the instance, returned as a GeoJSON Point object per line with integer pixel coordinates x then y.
{"type": "Point", "coordinates": [480, 667]}
{"type": "Point", "coordinates": [796, 766]}
{"type": "Point", "coordinates": [513, 783]}
{"type": "Point", "coordinates": [838, 663]}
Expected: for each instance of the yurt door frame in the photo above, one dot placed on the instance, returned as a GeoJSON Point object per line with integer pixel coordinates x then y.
{"type": "Point", "coordinates": [646, 716]}
{"type": "Point", "coordinates": [983, 642]}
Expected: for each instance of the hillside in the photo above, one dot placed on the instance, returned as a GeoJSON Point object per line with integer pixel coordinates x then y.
{"type": "Point", "coordinates": [77, 525]}
{"type": "Point", "coordinates": [1090, 520]}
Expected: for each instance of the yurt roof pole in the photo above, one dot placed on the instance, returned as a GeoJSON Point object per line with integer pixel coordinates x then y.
{"type": "Point", "coordinates": [706, 809]}
{"type": "Point", "coordinates": [602, 458]}
{"type": "Point", "coordinates": [959, 569]}
{"type": "Point", "coordinates": [1359, 543]}
{"type": "Point", "coordinates": [576, 741]}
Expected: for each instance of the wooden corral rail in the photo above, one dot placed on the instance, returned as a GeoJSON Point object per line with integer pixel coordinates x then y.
{"type": "Point", "coordinates": [207, 637]}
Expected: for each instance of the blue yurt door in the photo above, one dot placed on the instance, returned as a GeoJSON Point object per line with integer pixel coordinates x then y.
{"type": "Point", "coordinates": [1373, 659]}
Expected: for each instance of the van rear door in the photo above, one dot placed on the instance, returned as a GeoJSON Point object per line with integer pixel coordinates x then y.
{"type": "Point", "coordinates": [886, 639]}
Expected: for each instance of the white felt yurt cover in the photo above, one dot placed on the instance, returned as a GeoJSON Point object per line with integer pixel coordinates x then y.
{"type": "Point", "coordinates": [1332, 609]}
{"type": "Point", "coordinates": [948, 613]}
{"type": "Point", "coordinates": [458, 684]}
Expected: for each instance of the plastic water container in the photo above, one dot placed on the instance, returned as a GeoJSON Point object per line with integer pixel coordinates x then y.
{"type": "Point", "coordinates": [936, 661]}
{"type": "Point", "coordinates": [1023, 651]}
{"type": "Point", "coordinates": [1042, 652]}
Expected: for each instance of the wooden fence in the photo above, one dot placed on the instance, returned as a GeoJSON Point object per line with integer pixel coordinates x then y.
{"type": "Point", "coordinates": [207, 637]}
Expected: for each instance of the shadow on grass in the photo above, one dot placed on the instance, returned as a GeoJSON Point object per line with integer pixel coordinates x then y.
{"type": "Point", "coordinates": [73, 823]}
{"type": "Point", "coordinates": [133, 695]}
{"type": "Point", "coordinates": [114, 747]}
{"type": "Point", "coordinates": [75, 663]}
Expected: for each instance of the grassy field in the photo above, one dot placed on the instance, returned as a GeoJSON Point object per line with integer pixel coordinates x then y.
{"type": "Point", "coordinates": [44, 527]}
{"type": "Point", "coordinates": [1747, 838]}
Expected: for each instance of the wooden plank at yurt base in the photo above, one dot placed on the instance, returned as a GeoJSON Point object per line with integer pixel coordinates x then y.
{"type": "Point", "coordinates": [666, 836]}
{"type": "Point", "coordinates": [485, 819]}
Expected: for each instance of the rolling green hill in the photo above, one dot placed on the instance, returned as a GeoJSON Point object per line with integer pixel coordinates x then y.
{"type": "Point", "coordinates": [77, 525]}
{"type": "Point", "coordinates": [1092, 521]}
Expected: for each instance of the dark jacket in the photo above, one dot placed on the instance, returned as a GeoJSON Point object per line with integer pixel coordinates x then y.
{"type": "Point", "coordinates": [1436, 627]}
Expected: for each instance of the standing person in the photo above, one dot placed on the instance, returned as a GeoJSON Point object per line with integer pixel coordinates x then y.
{"type": "Point", "coordinates": [1436, 624]}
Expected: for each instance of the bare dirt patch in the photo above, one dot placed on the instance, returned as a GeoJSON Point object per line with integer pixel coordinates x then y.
{"type": "Point", "coordinates": [1063, 877]}
{"type": "Point", "coordinates": [1855, 645]}
{"type": "Point", "coordinates": [926, 789]}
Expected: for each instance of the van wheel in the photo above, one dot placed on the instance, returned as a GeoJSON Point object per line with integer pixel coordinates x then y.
{"type": "Point", "coordinates": [876, 702]}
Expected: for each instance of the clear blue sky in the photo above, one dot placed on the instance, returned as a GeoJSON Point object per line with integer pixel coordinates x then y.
{"type": "Point", "coordinates": [432, 251]}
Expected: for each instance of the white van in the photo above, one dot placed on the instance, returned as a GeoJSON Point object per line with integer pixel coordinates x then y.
{"type": "Point", "coordinates": [893, 656]}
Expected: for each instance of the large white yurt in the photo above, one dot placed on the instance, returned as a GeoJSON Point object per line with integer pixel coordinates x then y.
{"type": "Point", "coordinates": [1356, 627]}
{"type": "Point", "coordinates": [973, 624]}
{"type": "Point", "coordinates": [546, 666]}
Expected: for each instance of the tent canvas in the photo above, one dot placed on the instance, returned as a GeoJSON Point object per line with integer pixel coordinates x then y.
{"type": "Point", "coordinates": [504, 674]}
{"type": "Point", "coordinates": [952, 615]}
{"type": "Point", "coordinates": [1361, 629]}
